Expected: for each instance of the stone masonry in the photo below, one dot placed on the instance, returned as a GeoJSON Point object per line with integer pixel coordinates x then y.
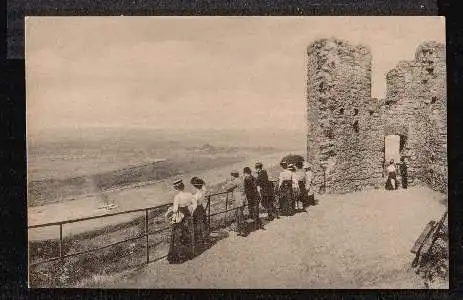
{"type": "Point", "coordinates": [346, 127]}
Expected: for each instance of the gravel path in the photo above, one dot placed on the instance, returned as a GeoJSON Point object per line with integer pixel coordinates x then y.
{"type": "Point", "coordinates": [358, 240]}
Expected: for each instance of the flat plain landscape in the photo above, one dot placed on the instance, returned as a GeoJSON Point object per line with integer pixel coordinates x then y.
{"type": "Point", "coordinates": [71, 164]}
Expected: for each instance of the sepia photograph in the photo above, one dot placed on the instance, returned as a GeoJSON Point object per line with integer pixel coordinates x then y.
{"type": "Point", "coordinates": [237, 152]}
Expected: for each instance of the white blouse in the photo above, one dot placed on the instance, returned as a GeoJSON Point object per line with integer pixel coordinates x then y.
{"type": "Point", "coordinates": [285, 175]}
{"type": "Point", "coordinates": [182, 199]}
{"type": "Point", "coordinates": [308, 179]}
{"type": "Point", "coordinates": [299, 176]}
{"type": "Point", "coordinates": [199, 198]}
{"type": "Point", "coordinates": [391, 169]}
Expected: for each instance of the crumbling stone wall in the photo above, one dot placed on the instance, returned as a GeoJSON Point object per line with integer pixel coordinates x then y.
{"type": "Point", "coordinates": [339, 77]}
{"type": "Point", "coordinates": [346, 127]}
{"type": "Point", "coordinates": [417, 95]}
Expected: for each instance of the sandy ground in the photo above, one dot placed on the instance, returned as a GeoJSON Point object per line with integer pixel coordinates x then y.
{"type": "Point", "coordinates": [358, 240]}
{"type": "Point", "coordinates": [135, 198]}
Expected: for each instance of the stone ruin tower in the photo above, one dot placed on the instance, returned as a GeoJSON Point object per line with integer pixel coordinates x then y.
{"type": "Point", "coordinates": [339, 85]}
{"type": "Point", "coordinates": [347, 128]}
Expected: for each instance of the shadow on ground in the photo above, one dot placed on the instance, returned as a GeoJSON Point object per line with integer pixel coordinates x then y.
{"type": "Point", "coordinates": [214, 238]}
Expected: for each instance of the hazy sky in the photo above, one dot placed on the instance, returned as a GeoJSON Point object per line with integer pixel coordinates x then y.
{"type": "Point", "coordinates": [198, 72]}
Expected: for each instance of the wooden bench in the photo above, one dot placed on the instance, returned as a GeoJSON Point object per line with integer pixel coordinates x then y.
{"type": "Point", "coordinates": [427, 239]}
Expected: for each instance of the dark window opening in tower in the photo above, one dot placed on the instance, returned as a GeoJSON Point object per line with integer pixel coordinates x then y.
{"type": "Point", "coordinates": [356, 126]}
{"type": "Point", "coordinates": [433, 99]}
{"type": "Point", "coordinates": [341, 111]}
{"type": "Point", "coordinates": [356, 111]}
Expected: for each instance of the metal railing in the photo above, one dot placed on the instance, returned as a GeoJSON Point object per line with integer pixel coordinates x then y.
{"type": "Point", "coordinates": [146, 233]}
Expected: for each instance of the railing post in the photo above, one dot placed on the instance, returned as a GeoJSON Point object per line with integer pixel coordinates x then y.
{"type": "Point", "coordinates": [61, 241]}
{"type": "Point", "coordinates": [226, 212]}
{"type": "Point", "coordinates": [193, 242]}
{"type": "Point", "coordinates": [147, 237]}
{"type": "Point", "coordinates": [209, 212]}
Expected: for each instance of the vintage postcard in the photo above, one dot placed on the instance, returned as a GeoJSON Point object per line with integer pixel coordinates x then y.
{"type": "Point", "coordinates": [237, 152]}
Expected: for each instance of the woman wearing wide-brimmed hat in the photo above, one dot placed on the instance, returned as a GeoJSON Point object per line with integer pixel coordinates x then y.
{"type": "Point", "coordinates": [199, 210]}
{"type": "Point", "coordinates": [391, 182]}
{"type": "Point", "coordinates": [301, 192]}
{"type": "Point", "coordinates": [309, 178]}
{"type": "Point", "coordinates": [285, 186]}
{"type": "Point", "coordinates": [181, 243]}
{"type": "Point", "coordinates": [295, 187]}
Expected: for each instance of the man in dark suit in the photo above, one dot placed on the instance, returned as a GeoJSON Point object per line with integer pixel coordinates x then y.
{"type": "Point", "coordinates": [403, 172]}
{"type": "Point", "coordinates": [265, 189]}
{"type": "Point", "coordinates": [252, 195]}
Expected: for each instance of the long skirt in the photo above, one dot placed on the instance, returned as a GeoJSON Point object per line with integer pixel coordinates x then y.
{"type": "Point", "coordinates": [303, 197]}
{"type": "Point", "coordinates": [181, 246]}
{"type": "Point", "coordinates": [200, 224]}
{"type": "Point", "coordinates": [389, 182]}
{"type": "Point", "coordinates": [268, 201]}
{"type": "Point", "coordinates": [286, 199]}
{"type": "Point", "coordinates": [273, 202]}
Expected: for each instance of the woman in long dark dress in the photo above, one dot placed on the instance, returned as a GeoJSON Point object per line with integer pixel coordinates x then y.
{"type": "Point", "coordinates": [309, 177]}
{"type": "Point", "coordinates": [199, 210]}
{"type": "Point", "coordinates": [391, 182]}
{"type": "Point", "coordinates": [285, 187]}
{"type": "Point", "coordinates": [181, 247]}
{"type": "Point", "coordinates": [302, 197]}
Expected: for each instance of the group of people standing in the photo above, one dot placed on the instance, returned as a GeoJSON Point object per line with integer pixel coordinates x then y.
{"type": "Point", "coordinates": [189, 218]}
{"type": "Point", "coordinates": [392, 182]}
{"type": "Point", "coordinates": [295, 185]}
{"type": "Point", "coordinates": [251, 191]}
{"type": "Point", "coordinates": [295, 193]}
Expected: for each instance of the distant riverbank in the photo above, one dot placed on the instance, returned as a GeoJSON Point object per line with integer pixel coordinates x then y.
{"type": "Point", "coordinates": [157, 193]}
